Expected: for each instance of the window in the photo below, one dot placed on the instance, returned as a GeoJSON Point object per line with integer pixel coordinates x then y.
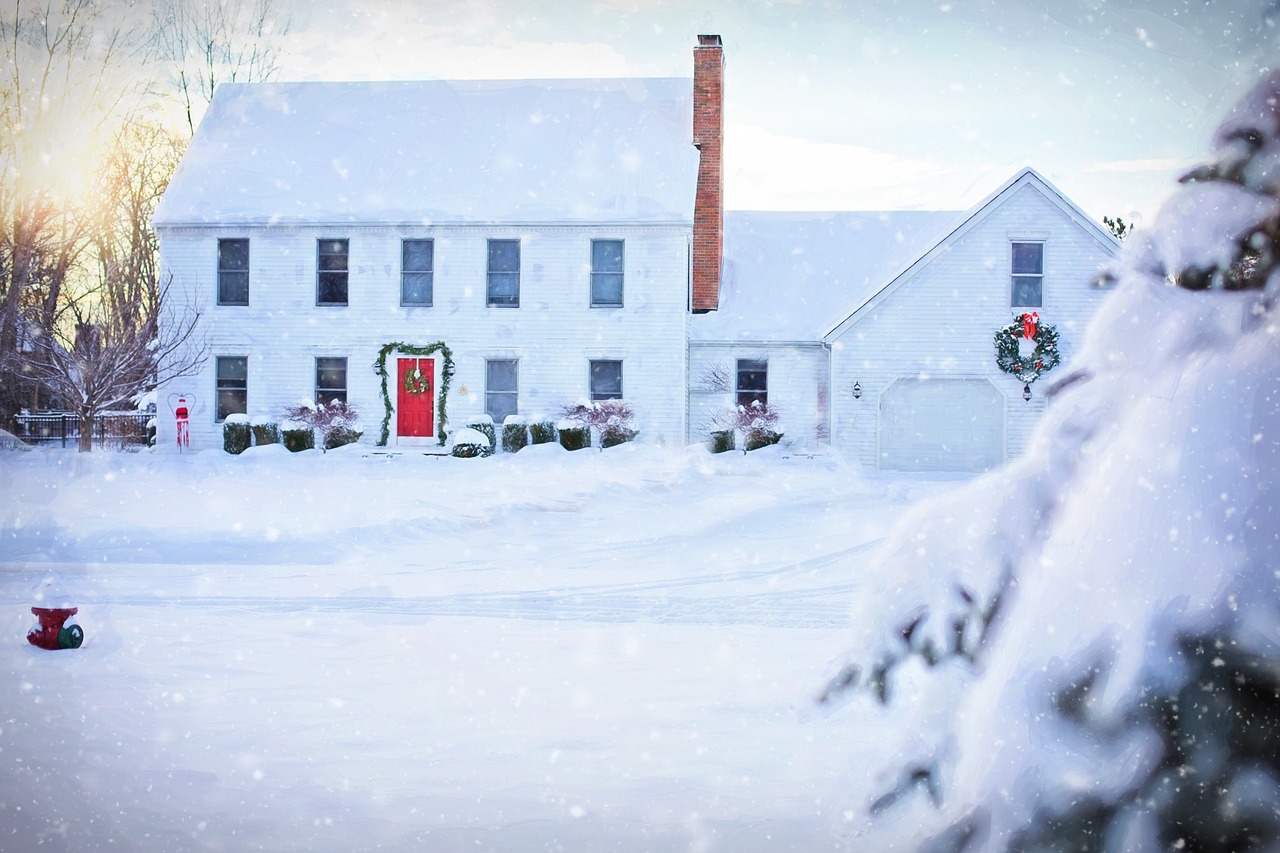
{"type": "Point", "coordinates": [1028, 275]}
{"type": "Point", "coordinates": [232, 385]}
{"type": "Point", "coordinates": [417, 258]}
{"type": "Point", "coordinates": [331, 280]}
{"type": "Point", "coordinates": [504, 272]}
{"type": "Point", "coordinates": [753, 381]}
{"type": "Point", "coordinates": [233, 272]}
{"type": "Point", "coordinates": [331, 380]}
{"type": "Point", "coordinates": [500, 388]}
{"type": "Point", "coordinates": [606, 273]}
{"type": "Point", "coordinates": [606, 380]}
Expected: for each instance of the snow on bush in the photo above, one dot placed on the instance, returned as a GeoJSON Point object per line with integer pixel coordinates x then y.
{"type": "Point", "coordinates": [469, 443]}
{"type": "Point", "coordinates": [1082, 650]}
{"type": "Point", "coordinates": [484, 424]}
{"type": "Point", "coordinates": [611, 422]}
{"type": "Point", "coordinates": [515, 433]}
{"type": "Point", "coordinates": [338, 422]}
{"type": "Point", "coordinates": [752, 427]}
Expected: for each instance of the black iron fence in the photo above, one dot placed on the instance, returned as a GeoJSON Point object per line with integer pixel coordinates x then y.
{"type": "Point", "coordinates": [114, 428]}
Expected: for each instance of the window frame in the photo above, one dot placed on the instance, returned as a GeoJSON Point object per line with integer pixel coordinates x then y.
{"type": "Point", "coordinates": [225, 272]}
{"type": "Point", "coordinates": [593, 366]}
{"type": "Point", "coordinates": [490, 393]}
{"type": "Point", "coordinates": [428, 273]}
{"type": "Point", "coordinates": [492, 274]}
{"type": "Point", "coordinates": [326, 393]}
{"type": "Point", "coordinates": [334, 272]}
{"type": "Point", "coordinates": [747, 367]}
{"type": "Point", "coordinates": [598, 276]}
{"type": "Point", "coordinates": [1021, 279]}
{"type": "Point", "coordinates": [224, 385]}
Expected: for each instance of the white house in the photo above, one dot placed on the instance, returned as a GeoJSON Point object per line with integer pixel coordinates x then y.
{"type": "Point", "coordinates": [528, 244]}
{"type": "Point", "coordinates": [874, 332]}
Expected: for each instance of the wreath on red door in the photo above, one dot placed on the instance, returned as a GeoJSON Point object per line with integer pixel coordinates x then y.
{"type": "Point", "coordinates": [1044, 358]}
{"type": "Point", "coordinates": [416, 382]}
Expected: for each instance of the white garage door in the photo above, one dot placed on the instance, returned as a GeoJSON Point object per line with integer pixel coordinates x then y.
{"type": "Point", "coordinates": [941, 425]}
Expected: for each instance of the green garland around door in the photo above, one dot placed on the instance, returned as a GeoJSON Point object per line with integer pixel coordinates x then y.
{"type": "Point", "coordinates": [442, 393]}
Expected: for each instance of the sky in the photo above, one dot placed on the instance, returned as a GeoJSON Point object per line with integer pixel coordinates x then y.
{"type": "Point", "coordinates": [866, 104]}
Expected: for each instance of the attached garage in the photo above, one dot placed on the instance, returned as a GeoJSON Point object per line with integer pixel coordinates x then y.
{"type": "Point", "coordinates": [941, 425]}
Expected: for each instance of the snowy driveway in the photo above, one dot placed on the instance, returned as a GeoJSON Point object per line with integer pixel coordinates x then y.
{"type": "Point", "coordinates": [597, 651]}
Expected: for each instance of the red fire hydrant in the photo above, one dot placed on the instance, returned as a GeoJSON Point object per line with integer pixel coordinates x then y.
{"type": "Point", "coordinates": [53, 632]}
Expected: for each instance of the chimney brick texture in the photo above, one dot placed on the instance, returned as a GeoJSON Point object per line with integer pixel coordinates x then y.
{"type": "Point", "coordinates": [708, 206]}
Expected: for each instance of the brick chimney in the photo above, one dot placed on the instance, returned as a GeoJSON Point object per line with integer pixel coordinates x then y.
{"type": "Point", "coordinates": [708, 205]}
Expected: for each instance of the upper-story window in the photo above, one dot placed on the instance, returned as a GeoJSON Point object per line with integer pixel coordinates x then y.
{"type": "Point", "coordinates": [1027, 279]}
{"type": "Point", "coordinates": [606, 380]}
{"type": "Point", "coordinates": [753, 381]}
{"type": "Point", "coordinates": [417, 260]}
{"type": "Point", "coordinates": [332, 270]}
{"type": "Point", "coordinates": [504, 273]}
{"type": "Point", "coordinates": [331, 380]}
{"type": "Point", "coordinates": [232, 385]}
{"type": "Point", "coordinates": [606, 273]}
{"type": "Point", "coordinates": [233, 272]}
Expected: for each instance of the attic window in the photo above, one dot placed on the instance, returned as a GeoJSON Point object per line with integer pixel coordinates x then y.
{"type": "Point", "coordinates": [233, 272]}
{"type": "Point", "coordinates": [1027, 275]}
{"type": "Point", "coordinates": [606, 273]}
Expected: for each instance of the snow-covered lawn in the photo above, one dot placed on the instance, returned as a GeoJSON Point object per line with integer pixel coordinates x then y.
{"type": "Point", "coordinates": [609, 650]}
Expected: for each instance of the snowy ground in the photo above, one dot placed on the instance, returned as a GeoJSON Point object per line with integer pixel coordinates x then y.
{"type": "Point", "coordinates": [588, 651]}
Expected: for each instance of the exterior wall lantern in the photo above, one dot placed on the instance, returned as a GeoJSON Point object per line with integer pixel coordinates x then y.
{"type": "Point", "coordinates": [857, 391]}
{"type": "Point", "coordinates": [1026, 392]}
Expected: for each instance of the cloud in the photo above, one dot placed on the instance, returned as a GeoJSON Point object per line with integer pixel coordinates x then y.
{"type": "Point", "coordinates": [1134, 166]}
{"type": "Point", "coordinates": [770, 171]}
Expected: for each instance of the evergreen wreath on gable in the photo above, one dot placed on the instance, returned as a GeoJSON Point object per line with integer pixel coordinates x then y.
{"type": "Point", "coordinates": [1045, 357]}
{"type": "Point", "coordinates": [442, 392]}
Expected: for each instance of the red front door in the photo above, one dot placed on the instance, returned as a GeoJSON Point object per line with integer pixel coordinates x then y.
{"type": "Point", "coordinates": [415, 412]}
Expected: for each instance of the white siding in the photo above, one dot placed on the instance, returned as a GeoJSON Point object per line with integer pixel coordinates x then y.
{"type": "Point", "coordinates": [796, 384]}
{"type": "Point", "coordinates": [940, 322]}
{"type": "Point", "coordinates": [553, 333]}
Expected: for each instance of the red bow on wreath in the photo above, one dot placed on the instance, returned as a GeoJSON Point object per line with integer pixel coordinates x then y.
{"type": "Point", "coordinates": [1029, 324]}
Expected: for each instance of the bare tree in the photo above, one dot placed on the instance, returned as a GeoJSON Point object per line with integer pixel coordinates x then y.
{"type": "Point", "coordinates": [97, 360]}
{"type": "Point", "coordinates": [210, 43]}
{"type": "Point", "coordinates": [60, 83]}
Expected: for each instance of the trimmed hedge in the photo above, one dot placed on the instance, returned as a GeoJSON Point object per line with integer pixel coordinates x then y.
{"type": "Point", "coordinates": [299, 438]}
{"type": "Point", "coordinates": [757, 439]}
{"type": "Point", "coordinates": [265, 433]}
{"type": "Point", "coordinates": [614, 437]}
{"type": "Point", "coordinates": [575, 437]}
{"type": "Point", "coordinates": [340, 436]}
{"type": "Point", "coordinates": [236, 436]}
{"type": "Point", "coordinates": [542, 432]}
{"type": "Point", "coordinates": [515, 436]}
{"type": "Point", "coordinates": [721, 441]}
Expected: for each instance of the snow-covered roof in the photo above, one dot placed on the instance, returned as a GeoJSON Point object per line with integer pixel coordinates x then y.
{"type": "Point", "coordinates": [788, 276]}
{"type": "Point", "coordinates": [440, 151]}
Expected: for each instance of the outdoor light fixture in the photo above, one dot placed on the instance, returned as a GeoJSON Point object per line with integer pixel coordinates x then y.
{"type": "Point", "coordinates": [1026, 392]}
{"type": "Point", "coordinates": [857, 391]}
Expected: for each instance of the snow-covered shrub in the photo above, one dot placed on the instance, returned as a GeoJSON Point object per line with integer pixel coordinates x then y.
{"type": "Point", "coordinates": [296, 436]}
{"type": "Point", "coordinates": [265, 430]}
{"type": "Point", "coordinates": [469, 443]}
{"type": "Point", "coordinates": [151, 432]}
{"type": "Point", "coordinates": [236, 434]}
{"type": "Point", "coordinates": [609, 421]}
{"type": "Point", "coordinates": [754, 426]}
{"type": "Point", "coordinates": [1079, 651]}
{"type": "Point", "coordinates": [721, 441]}
{"type": "Point", "coordinates": [337, 422]}
{"type": "Point", "coordinates": [484, 424]}
{"type": "Point", "coordinates": [573, 436]}
{"type": "Point", "coordinates": [542, 431]}
{"type": "Point", "coordinates": [515, 433]}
